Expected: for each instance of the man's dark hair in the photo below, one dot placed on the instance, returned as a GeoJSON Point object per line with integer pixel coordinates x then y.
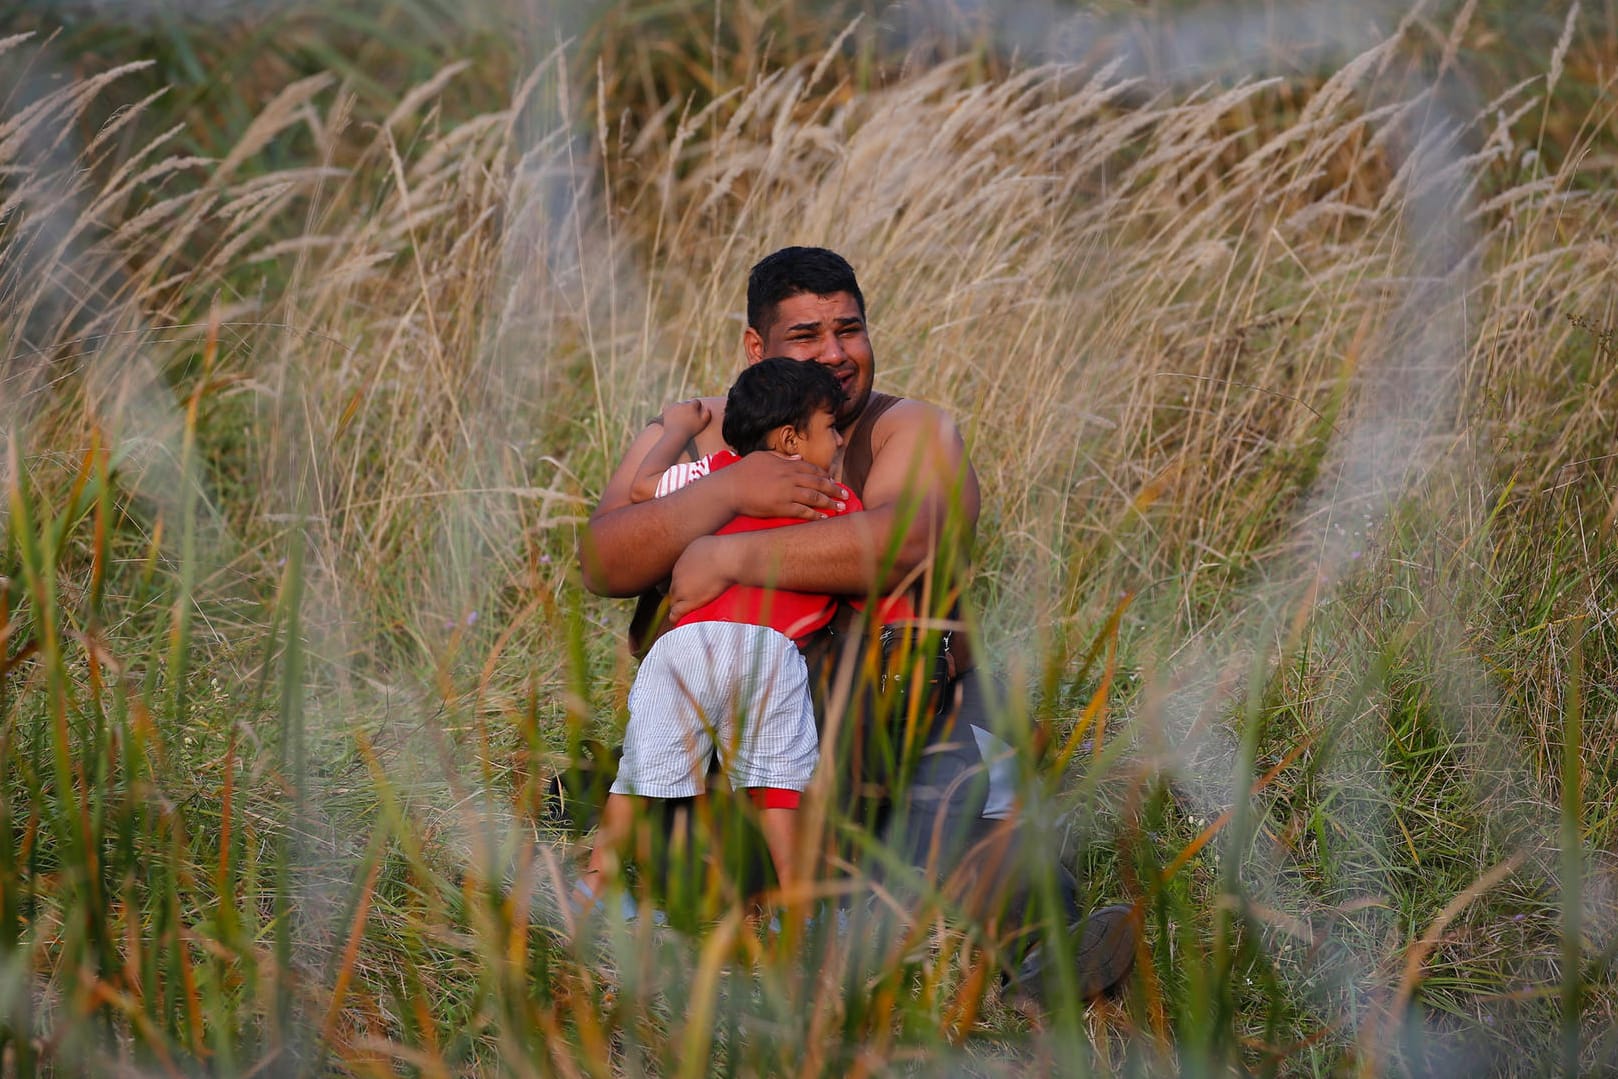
{"type": "Point", "coordinates": [792, 271]}
{"type": "Point", "coordinates": [774, 393]}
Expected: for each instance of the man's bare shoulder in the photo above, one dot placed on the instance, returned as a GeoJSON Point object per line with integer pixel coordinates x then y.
{"type": "Point", "coordinates": [917, 448]}
{"type": "Point", "coordinates": [913, 418]}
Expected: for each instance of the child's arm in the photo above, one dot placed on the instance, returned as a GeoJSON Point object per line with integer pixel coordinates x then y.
{"type": "Point", "coordinates": [681, 422]}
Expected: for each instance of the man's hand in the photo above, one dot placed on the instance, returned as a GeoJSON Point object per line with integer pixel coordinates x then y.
{"type": "Point", "coordinates": [766, 484]}
{"type": "Point", "coordinates": [699, 576]}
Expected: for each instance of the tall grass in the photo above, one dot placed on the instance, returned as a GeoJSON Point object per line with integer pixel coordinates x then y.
{"type": "Point", "coordinates": [1289, 401]}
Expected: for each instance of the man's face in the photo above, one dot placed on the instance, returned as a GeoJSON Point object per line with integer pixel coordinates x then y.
{"type": "Point", "coordinates": [825, 329]}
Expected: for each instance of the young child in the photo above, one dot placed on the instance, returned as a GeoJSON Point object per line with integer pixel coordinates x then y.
{"type": "Point", "coordinates": [729, 676]}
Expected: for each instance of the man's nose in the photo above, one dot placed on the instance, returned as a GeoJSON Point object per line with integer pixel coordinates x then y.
{"type": "Point", "coordinates": [831, 351]}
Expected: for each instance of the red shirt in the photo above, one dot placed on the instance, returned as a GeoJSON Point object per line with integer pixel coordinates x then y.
{"type": "Point", "coordinates": [796, 614]}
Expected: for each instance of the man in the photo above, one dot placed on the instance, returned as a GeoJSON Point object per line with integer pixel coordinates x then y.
{"type": "Point", "coordinates": [908, 463]}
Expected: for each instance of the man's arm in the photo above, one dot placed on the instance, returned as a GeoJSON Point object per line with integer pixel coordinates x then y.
{"type": "Point", "coordinates": [627, 547]}
{"type": "Point", "coordinates": [921, 498]}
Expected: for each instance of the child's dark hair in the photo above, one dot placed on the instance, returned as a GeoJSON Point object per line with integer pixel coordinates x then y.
{"type": "Point", "coordinates": [792, 271]}
{"type": "Point", "coordinates": [776, 392]}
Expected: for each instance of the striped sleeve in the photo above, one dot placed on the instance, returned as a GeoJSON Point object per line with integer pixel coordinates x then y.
{"type": "Point", "coordinates": [678, 475]}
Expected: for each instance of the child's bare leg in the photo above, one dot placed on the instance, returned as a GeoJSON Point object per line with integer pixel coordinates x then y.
{"type": "Point", "coordinates": [780, 827]}
{"type": "Point", "coordinates": [778, 820]}
{"type": "Point", "coordinates": [612, 837]}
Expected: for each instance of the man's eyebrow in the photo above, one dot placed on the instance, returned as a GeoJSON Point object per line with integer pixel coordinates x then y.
{"type": "Point", "coordinates": [814, 324]}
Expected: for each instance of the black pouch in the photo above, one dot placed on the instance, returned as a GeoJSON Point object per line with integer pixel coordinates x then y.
{"type": "Point", "coordinates": [914, 660]}
{"type": "Point", "coordinates": [904, 687]}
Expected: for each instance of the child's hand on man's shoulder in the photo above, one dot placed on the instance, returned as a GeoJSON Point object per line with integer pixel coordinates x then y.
{"type": "Point", "coordinates": [689, 416]}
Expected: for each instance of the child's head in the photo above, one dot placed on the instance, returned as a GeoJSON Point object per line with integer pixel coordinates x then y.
{"type": "Point", "coordinates": [785, 405]}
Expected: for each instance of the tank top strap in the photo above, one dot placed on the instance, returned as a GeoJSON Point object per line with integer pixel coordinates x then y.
{"type": "Point", "coordinates": [857, 452]}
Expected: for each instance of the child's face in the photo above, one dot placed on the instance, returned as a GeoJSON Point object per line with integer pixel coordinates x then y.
{"type": "Point", "coordinates": [818, 443]}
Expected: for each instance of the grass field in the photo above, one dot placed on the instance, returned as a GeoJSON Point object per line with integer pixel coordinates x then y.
{"type": "Point", "coordinates": [1289, 376]}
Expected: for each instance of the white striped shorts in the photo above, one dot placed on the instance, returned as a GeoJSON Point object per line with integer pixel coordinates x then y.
{"type": "Point", "coordinates": [740, 689]}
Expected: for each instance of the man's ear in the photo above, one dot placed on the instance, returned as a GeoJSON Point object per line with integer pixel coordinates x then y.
{"type": "Point", "coordinates": [753, 344]}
